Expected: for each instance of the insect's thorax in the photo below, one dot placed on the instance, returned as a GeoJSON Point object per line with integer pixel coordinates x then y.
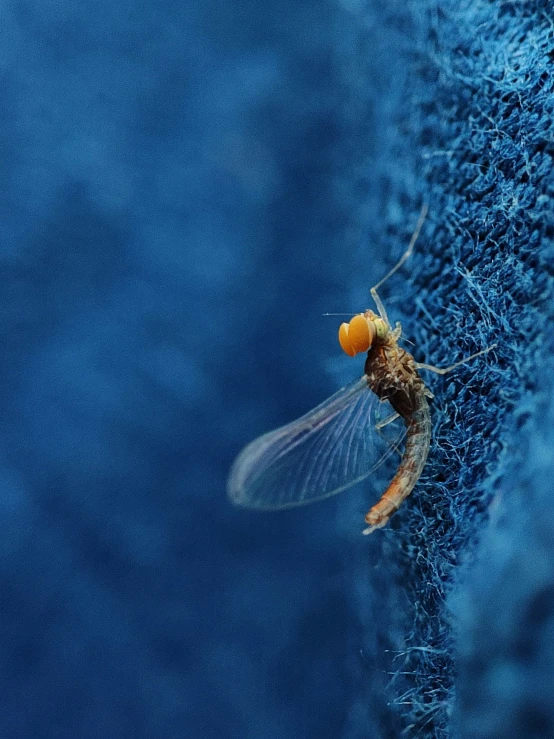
{"type": "Point", "coordinates": [392, 375]}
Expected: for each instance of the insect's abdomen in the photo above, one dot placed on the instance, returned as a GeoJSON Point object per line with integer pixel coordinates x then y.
{"type": "Point", "coordinates": [393, 376]}
{"type": "Point", "coordinates": [418, 439]}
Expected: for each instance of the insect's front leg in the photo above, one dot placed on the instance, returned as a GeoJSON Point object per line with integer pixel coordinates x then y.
{"type": "Point", "coordinates": [378, 302]}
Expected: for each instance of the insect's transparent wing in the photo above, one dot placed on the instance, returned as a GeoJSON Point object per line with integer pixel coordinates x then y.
{"type": "Point", "coordinates": [329, 449]}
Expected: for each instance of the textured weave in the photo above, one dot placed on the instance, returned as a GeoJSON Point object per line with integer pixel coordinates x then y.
{"type": "Point", "coordinates": [186, 187]}
{"type": "Point", "coordinates": [463, 594]}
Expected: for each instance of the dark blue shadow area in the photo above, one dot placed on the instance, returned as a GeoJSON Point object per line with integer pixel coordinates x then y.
{"type": "Point", "coordinates": [187, 187]}
{"type": "Point", "coordinates": [171, 234]}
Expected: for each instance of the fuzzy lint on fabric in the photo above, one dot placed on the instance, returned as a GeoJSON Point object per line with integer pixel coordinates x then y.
{"type": "Point", "coordinates": [186, 188]}
{"type": "Point", "coordinates": [460, 622]}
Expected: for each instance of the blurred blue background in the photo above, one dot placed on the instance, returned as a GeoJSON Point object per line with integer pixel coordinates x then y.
{"type": "Point", "coordinates": [186, 189]}
{"type": "Point", "coordinates": [178, 211]}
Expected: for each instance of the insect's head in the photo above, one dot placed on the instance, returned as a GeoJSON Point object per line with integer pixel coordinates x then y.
{"type": "Point", "coordinates": [364, 330]}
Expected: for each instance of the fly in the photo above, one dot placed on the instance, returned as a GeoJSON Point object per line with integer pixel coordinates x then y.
{"type": "Point", "coordinates": [341, 441]}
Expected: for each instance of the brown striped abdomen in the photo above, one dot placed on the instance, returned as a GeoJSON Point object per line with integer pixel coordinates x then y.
{"type": "Point", "coordinates": [413, 460]}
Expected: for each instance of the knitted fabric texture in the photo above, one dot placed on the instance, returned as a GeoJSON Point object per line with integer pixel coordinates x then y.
{"type": "Point", "coordinates": [464, 588]}
{"type": "Point", "coordinates": [186, 188]}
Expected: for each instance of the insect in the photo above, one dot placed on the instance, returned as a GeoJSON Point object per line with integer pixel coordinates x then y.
{"type": "Point", "coordinates": [341, 441]}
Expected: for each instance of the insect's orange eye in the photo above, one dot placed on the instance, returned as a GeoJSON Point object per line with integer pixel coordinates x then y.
{"type": "Point", "coordinates": [361, 333]}
{"type": "Point", "coordinates": [344, 340]}
{"type": "Point", "coordinates": [356, 336]}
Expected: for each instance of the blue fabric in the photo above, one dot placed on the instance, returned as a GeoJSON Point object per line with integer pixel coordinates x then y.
{"type": "Point", "coordinates": [464, 576]}
{"type": "Point", "coordinates": [186, 188]}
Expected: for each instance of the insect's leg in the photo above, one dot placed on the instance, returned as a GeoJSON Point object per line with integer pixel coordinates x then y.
{"type": "Point", "coordinates": [407, 253]}
{"type": "Point", "coordinates": [381, 425]}
{"type": "Point", "coordinates": [445, 370]}
{"type": "Point", "coordinates": [386, 421]}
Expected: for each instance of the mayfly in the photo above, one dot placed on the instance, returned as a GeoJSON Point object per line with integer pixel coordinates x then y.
{"type": "Point", "coordinates": [341, 441]}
